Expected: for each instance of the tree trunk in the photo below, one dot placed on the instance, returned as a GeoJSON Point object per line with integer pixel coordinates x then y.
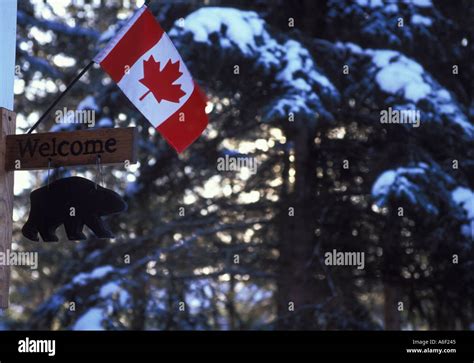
{"type": "Point", "coordinates": [296, 285]}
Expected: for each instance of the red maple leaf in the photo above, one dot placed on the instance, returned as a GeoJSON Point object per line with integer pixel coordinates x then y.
{"type": "Point", "coordinates": [161, 82]}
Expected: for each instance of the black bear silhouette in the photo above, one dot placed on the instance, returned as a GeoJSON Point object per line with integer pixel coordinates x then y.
{"type": "Point", "coordinates": [74, 202]}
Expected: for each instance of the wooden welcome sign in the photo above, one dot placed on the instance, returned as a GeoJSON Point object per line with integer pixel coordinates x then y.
{"type": "Point", "coordinates": [73, 148]}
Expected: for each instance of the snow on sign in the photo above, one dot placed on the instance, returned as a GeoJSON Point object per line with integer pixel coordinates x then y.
{"type": "Point", "coordinates": [144, 63]}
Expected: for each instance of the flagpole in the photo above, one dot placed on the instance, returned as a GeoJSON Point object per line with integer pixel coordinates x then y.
{"type": "Point", "coordinates": [59, 98]}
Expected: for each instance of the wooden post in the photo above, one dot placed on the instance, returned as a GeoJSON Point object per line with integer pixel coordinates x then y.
{"type": "Point", "coordinates": [7, 52]}
{"type": "Point", "coordinates": [7, 126]}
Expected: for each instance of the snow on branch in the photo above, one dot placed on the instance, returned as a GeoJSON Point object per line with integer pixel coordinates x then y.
{"type": "Point", "coordinates": [465, 198]}
{"type": "Point", "coordinates": [408, 86]}
{"type": "Point", "coordinates": [97, 273]}
{"type": "Point", "coordinates": [414, 185]}
{"type": "Point", "coordinates": [379, 19]}
{"type": "Point", "coordinates": [103, 282]}
{"type": "Point", "coordinates": [301, 87]}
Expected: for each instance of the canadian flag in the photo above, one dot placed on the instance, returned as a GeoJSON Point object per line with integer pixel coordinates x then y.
{"type": "Point", "coordinates": [144, 63]}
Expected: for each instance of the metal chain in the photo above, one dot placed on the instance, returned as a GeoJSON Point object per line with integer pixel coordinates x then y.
{"type": "Point", "coordinates": [99, 172]}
